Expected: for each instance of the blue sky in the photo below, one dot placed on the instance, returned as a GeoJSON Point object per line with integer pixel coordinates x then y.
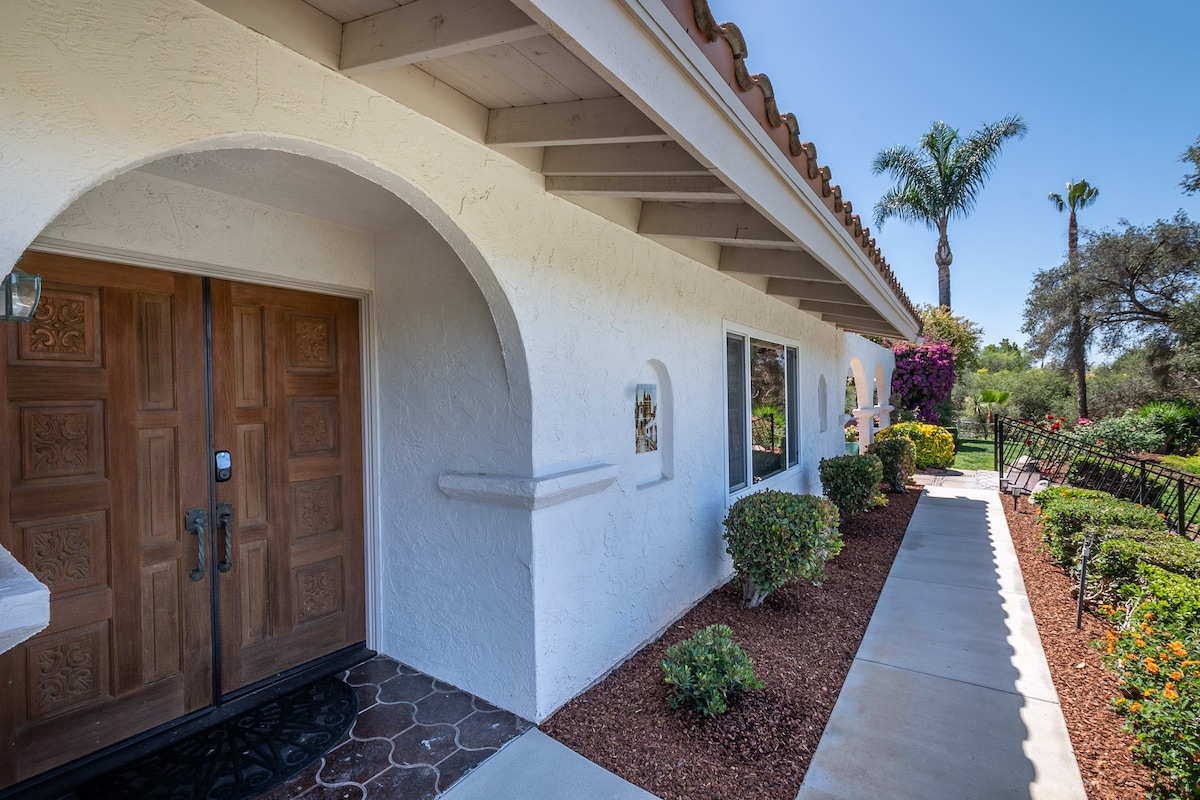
{"type": "Point", "coordinates": [1110, 91]}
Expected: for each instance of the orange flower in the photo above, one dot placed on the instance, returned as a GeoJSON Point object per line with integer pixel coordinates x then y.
{"type": "Point", "coordinates": [1151, 666]}
{"type": "Point", "coordinates": [1170, 693]}
{"type": "Point", "coordinates": [1135, 708]}
{"type": "Point", "coordinates": [1178, 649]}
{"type": "Point", "coordinates": [1176, 675]}
{"type": "Point", "coordinates": [1140, 642]}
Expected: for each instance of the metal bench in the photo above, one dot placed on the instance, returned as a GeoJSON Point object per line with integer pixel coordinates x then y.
{"type": "Point", "coordinates": [1022, 478]}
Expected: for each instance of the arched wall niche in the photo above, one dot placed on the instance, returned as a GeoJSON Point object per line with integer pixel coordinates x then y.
{"type": "Point", "coordinates": [653, 438]}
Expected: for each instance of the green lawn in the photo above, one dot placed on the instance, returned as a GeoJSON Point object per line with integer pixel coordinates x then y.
{"type": "Point", "coordinates": [974, 454]}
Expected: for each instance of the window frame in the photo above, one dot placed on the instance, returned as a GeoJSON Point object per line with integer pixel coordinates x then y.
{"type": "Point", "coordinates": [792, 371]}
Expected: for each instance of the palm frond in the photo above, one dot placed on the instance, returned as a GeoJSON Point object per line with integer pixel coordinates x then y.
{"type": "Point", "coordinates": [973, 160]}
{"type": "Point", "coordinates": [905, 203]}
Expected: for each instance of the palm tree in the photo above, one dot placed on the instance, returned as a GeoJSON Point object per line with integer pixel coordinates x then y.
{"type": "Point", "coordinates": [941, 180]}
{"type": "Point", "coordinates": [1079, 196]}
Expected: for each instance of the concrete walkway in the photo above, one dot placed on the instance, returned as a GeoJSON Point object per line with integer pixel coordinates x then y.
{"type": "Point", "coordinates": [949, 696]}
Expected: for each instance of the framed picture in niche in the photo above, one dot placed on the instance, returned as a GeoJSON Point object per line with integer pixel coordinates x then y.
{"type": "Point", "coordinates": [645, 416]}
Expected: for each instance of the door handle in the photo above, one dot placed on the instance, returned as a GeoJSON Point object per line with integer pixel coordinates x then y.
{"type": "Point", "coordinates": [225, 520]}
{"type": "Point", "coordinates": [194, 523]}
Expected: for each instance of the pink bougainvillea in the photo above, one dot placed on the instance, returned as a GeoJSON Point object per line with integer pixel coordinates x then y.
{"type": "Point", "coordinates": [924, 377]}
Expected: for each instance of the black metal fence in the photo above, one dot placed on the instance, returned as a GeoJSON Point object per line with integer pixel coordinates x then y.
{"type": "Point", "coordinates": [1061, 459]}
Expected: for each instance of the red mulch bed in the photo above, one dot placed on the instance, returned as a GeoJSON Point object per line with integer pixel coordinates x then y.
{"type": "Point", "coordinates": [1084, 686]}
{"type": "Point", "coordinates": [803, 640]}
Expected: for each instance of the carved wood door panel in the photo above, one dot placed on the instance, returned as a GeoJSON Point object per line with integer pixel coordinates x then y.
{"type": "Point", "coordinates": [106, 412]}
{"type": "Point", "coordinates": [286, 383]}
{"type": "Point", "coordinates": [104, 415]}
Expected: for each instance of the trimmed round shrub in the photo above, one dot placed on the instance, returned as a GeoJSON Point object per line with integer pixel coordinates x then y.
{"type": "Point", "coordinates": [850, 481]}
{"type": "Point", "coordinates": [933, 447]}
{"type": "Point", "coordinates": [776, 537]}
{"type": "Point", "coordinates": [898, 457]}
{"type": "Point", "coordinates": [705, 670]}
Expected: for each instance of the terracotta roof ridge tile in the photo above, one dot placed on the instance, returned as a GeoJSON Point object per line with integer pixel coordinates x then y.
{"type": "Point", "coordinates": [783, 128]}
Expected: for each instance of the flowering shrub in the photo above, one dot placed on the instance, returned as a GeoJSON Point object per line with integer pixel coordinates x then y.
{"type": "Point", "coordinates": [776, 537]}
{"type": "Point", "coordinates": [933, 447]}
{"type": "Point", "coordinates": [705, 670]}
{"type": "Point", "coordinates": [924, 377]}
{"type": "Point", "coordinates": [1156, 652]}
{"type": "Point", "coordinates": [1128, 433]}
{"type": "Point", "coordinates": [850, 481]}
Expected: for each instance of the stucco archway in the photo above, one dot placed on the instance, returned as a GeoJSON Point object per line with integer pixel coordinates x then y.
{"type": "Point", "coordinates": [448, 384]}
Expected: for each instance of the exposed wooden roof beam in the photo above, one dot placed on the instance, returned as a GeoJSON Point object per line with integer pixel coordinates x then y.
{"type": "Point", "coordinates": [811, 290]}
{"type": "Point", "coordinates": [795, 264]}
{"type": "Point", "coordinates": [428, 29]}
{"type": "Point", "coordinates": [840, 309]}
{"type": "Point", "coordinates": [642, 158]}
{"type": "Point", "coordinates": [858, 325]}
{"type": "Point", "coordinates": [669, 188]}
{"type": "Point", "coordinates": [725, 223]}
{"type": "Point", "coordinates": [601, 121]}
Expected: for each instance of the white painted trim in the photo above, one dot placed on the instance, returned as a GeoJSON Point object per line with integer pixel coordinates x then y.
{"type": "Point", "coordinates": [372, 468]}
{"type": "Point", "coordinates": [529, 493]}
{"type": "Point", "coordinates": [372, 522]}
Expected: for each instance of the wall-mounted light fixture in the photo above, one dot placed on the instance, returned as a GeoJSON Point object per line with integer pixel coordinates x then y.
{"type": "Point", "coordinates": [21, 294]}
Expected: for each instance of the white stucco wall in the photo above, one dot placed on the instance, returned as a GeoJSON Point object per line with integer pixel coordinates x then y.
{"type": "Point", "coordinates": [456, 593]}
{"type": "Point", "coordinates": [510, 328]}
{"type": "Point", "coordinates": [182, 225]}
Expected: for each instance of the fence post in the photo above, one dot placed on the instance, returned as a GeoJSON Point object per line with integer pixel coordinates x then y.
{"type": "Point", "coordinates": [1141, 481]}
{"type": "Point", "coordinates": [1182, 531]}
{"type": "Point", "coordinates": [998, 449]}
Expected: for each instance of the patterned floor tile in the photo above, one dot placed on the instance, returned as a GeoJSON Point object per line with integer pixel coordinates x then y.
{"type": "Point", "coordinates": [414, 737]}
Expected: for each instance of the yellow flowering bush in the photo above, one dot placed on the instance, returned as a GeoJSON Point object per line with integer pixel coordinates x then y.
{"type": "Point", "coordinates": [933, 447]}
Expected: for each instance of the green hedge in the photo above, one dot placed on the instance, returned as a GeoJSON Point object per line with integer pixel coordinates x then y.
{"type": "Point", "coordinates": [1067, 518]}
{"type": "Point", "coordinates": [1124, 480]}
{"type": "Point", "coordinates": [898, 457]}
{"type": "Point", "coordinates": [850, 481]}
{"type": "Point", "coordinates": [1119, 557]}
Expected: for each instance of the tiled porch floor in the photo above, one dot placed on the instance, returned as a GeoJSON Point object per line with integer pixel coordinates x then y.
{"type": "Point", "coordinates": [413, 738]}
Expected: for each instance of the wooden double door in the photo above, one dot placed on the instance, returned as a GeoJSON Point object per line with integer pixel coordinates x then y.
{"type": "Point", "coordinates": [171, 588]}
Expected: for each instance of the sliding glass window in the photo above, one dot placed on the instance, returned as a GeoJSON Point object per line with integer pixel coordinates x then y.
{"type": "Point", "coordinates": [763, 418]}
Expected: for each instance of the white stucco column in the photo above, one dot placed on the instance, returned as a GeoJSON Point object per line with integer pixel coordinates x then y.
{"type": "Point", "coordinates": [866, 427]}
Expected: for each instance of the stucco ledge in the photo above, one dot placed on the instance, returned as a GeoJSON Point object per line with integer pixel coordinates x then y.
{"type": "Point", "coordinates": [529, 493]}
{"type": "Point", "coordinates": [24, 603]}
